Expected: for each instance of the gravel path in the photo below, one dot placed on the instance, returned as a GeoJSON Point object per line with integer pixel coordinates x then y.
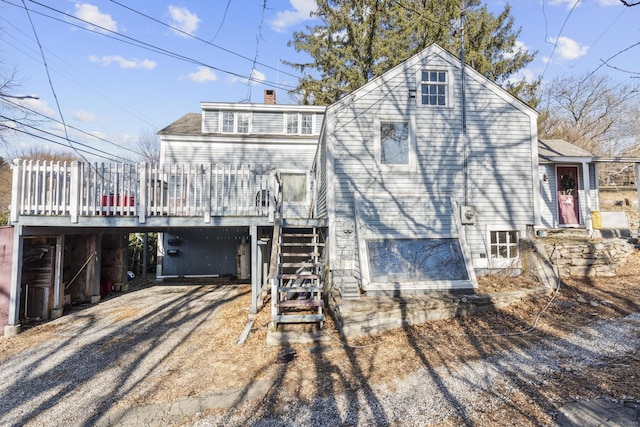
{"type": "Point", "coordinates": [432, 396]}
{"type": "Point", "coordinates": [73, 378]}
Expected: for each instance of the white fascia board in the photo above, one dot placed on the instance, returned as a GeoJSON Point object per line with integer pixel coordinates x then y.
{"type": "Point", "coordinates": [235, 106]}
{"type": "Point", "coordinates": [248, 139]}
{"type": "Point", "coordinates": [563, 159]}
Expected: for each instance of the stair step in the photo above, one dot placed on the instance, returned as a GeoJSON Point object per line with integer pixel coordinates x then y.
{"type": "Point", "coordinates": [299, 289]}
{"type": "Point", "coordinates": [300, 245]}
{"type": "Point", "coordinates": [301, 303]}
{"type": "Point", "coordinates": [288, 276]}
{"type": "Point", "coordinates": [299, 318]}
{"type": "Point", "coordinates": [299, 254]}
{"type": "Point", "coordinates": [299, 235]}
{"type": "Point", "coordinates": [300, 264]}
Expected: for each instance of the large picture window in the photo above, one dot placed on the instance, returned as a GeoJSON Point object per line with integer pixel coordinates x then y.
{"type": "Point", "coordinates": [434, 88]}
{"type": "Point", "coordinates": [416, 260]}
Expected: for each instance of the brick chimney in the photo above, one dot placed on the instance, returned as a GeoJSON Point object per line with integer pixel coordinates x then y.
{"type": "Point", "coordinates": [270, 96]}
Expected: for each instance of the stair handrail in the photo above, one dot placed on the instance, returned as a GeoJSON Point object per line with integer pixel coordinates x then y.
{"type": "Point", "coordinates": [275, 245]}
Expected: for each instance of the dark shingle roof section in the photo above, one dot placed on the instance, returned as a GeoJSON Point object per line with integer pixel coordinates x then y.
{"type": "Point", "coordinates": [189, 125]}
{"type": "Point", "coordinates": [550, 148]}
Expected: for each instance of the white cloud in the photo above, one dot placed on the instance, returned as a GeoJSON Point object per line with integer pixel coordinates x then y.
{"type": "Point", "coordinates": [569, 4]}
{"type": "Point", "coordinates": [287, 18]}
{"type": "Point", "coordinates": [183, 20]}
{"type": "Point", "coordinates": [203, 75]}
{"type": "Point", "coordinates": [256, 78]}
{"type": "Point", "coordinates": [90, 13]}
{"type": "Point", "coordinates": [569, 49]}
{"type": "Point", "coordinates": [123, 62]}
{"type": "Point", "coordinates": [38, 105]}
{"type": "Point", "coordinates": [607, 3]}
{"type": "Point", "coordinates": [84, 116]}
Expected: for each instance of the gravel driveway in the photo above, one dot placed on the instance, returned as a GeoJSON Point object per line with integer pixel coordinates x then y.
{"type": "Point", "coordinates": [77, 369]}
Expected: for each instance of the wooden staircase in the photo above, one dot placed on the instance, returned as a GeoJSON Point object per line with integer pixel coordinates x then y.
{"type": "Point", "coordinates": [296, 295]}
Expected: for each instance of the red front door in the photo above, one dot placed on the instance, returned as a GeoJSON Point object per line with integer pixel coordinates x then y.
{"type": "Point", "coordinates": [568, 204]}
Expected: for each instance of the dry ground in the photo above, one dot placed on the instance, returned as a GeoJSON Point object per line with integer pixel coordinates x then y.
{"type": "Point", "coordinates": [623, 199]}
{"type": "Point", "coordinates": [208, 360]}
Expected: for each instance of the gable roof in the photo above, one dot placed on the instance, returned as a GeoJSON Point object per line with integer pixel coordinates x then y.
{"type": "Point", "coordinates": [558, 150]}
{"type": "Point", "coordinates": [417, 59]}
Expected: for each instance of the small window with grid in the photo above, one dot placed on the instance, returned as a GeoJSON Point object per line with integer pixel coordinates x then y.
{"type": "Point", "coordinates": [228, 121]}
{"type": "Point", "coordinates": [292, 123]}
{"type": "Point", "coordinates": [434, 88]}
{"type": "Point", "coordinates": [306, 127]}
{"type": "Point", "coordinates": [504, 244]}
{"type": "Point", "coordinates": [243, 123]}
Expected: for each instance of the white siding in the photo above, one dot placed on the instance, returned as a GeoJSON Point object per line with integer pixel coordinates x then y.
{"type": "Point", "coordinates": [211, 121]}
{"type": "Point", "coordinates": [269, 156]}
{"type": "Point", "coordinates": [268, 123]}
{"type": "Point", "coordinates": [500, 163]}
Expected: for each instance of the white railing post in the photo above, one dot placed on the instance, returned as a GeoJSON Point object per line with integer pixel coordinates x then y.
{"type": "Point", "coordinates": [207, 194]}
{"type": "Point", "coordinates": [74, 191]}
{"type": "Point", "coordinates": [143, 202]}
{"type": "Point", "coordinates": [16, 190]}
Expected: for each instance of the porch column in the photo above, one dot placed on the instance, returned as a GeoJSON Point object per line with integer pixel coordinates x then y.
{"type": "Point", "coordinates": [255, 267]}
{"type": "Point", "coordinates": [637, 167]}
{"type": "Point", "coordinates": [16, 188]}
{"type": "Point", "coordinates": [13, 326]}
{"type": "Point", "coordinates": [145, 249]}
{"type": "Point", "coordinates": [95, 296]}
{"type": "Point", "coordinates": [58, 285]}
{"type": "Point", "coordinates": [587, 195]}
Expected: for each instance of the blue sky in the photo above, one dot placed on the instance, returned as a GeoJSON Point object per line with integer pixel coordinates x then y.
{"type": "Point", "coordinates": [144, 75]}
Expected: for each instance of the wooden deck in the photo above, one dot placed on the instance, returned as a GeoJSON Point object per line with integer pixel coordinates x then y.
{"type": "Point", "coordinates": [139, 195]}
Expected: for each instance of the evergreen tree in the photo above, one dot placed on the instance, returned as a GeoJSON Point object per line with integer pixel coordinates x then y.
{"type": "Point", "coordinates": [358, 40]}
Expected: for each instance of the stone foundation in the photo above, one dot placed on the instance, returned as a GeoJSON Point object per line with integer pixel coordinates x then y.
{"type": "Point", "coordinates": [589, 258]}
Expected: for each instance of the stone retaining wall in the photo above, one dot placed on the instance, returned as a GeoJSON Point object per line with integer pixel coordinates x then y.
{"type": "Point", "coordinates": [582, 259]}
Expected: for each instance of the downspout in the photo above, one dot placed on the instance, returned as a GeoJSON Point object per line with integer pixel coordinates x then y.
{"type": "Point", "coordinates": [465, 142]}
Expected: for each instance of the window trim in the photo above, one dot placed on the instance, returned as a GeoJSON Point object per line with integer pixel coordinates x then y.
{"type": "Point", "coordinates": [508, 244]}
{"type": "Point", "coordinates": [236, 117]}
{"type": "Point", "coordinates": [411, 165]}
{"type": "Point", "coordinates": [299, 116]}
{"type": "Point", "coordinates": [448, 85]}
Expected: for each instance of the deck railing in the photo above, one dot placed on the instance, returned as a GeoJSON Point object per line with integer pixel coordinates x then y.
{"type": "Point", "coordinates": [81, 189]}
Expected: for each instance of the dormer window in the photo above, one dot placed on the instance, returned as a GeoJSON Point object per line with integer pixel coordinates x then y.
{"type": "Point", "coordinates": [299, 124]}
{"type": "Point", "coordinates": [235, 122]}
{"type": "Point", "coordinates": [434, 88]}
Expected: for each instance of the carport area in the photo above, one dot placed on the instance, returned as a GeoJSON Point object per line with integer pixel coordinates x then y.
{"type": "Point", "coordinates": [148, 345]}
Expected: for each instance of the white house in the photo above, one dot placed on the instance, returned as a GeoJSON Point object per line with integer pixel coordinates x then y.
{"type": "Point", "coordinates": [423, 183]}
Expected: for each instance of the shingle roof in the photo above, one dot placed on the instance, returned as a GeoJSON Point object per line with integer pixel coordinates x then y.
{"type": "Point", "coordinates": [189, 124]}
{"type": "Point", "coordinates": [550, 148]}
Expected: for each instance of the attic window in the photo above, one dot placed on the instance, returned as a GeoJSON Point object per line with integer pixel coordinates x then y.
{"type": "Point", "coordinates": [434, 88]}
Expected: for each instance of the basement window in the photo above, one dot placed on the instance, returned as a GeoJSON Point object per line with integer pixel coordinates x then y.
{"type": "Point", "coordinates": [504, 244]}
{"type": "Point", "coordinates": [416, 260]}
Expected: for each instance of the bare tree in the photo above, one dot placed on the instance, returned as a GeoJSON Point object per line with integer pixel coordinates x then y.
{"type": "Point", "coordinates": [148, 146]}
{"type": "Point", "coordinates": [593, 112]}
{"type": "Point", "coordinates": [12, 114]}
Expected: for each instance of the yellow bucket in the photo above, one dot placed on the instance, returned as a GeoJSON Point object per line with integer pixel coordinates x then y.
{"type": "Point", "coordinates": [596, 219]}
